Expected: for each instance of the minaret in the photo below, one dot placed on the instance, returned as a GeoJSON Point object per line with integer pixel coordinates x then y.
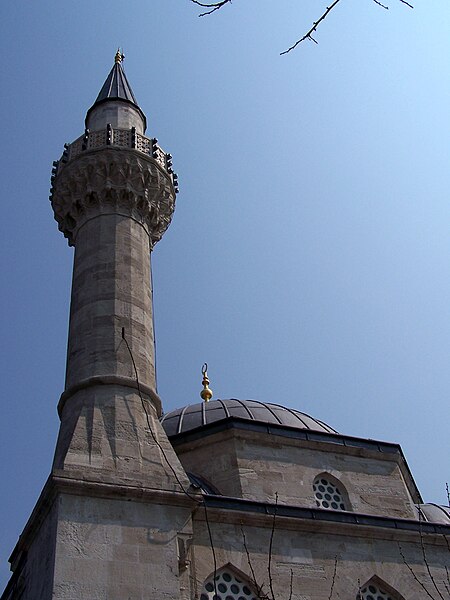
{"type": "Point", "coordinates": [113, 195]}
{"type": "Point", "coordinates": [108, 521]}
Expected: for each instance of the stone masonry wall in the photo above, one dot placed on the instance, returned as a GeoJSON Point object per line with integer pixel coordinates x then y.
{"type": "Point", "coordinates": [32, 578]}
{"type": "Point", "coordinates": [113, 549]}
{"type": "Point", "coordinates": [316, 558]}
{"type": "Point", "coordinates": [257, 467]}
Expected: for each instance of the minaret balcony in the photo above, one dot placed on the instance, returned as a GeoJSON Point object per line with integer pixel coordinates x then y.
{"type": "Point", "coordinates": [122, 138]}
{"type": "Point", "coordinates": [114, 169]}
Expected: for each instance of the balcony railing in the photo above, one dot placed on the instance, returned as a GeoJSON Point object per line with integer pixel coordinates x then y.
{"type": "Point", "coordinates": [124, 138]}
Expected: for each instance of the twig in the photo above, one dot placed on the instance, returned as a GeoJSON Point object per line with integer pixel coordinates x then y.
{"type": "Point", "coordinates": [212, 550]}
{"type": "Point", "coordinates": [308, 35]}
{"type": "Point", "coordinates": [334, 578]}
{"type": "Point", "coordinates": [259, 588]}
{"type": "Point", "coordinates": [291, 587]}
{"type": "Point", "coordinates": [425, 559]}
{"type": "Point", "coordinates": [446, 541]}
{"type": "Point", "coordinates": [412, 572]}
{"type": "Point", "coordinates": [212, 5]}
{"type": "Point", "coordinates": [272, 533]}
{"type": "Point", "coordinates": [446, 568]}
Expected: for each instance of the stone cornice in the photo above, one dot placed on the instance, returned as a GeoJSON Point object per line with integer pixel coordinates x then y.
{"type": "Point", "coordinates": [227, 509]}
{"type": "Point", "coordinates": [113, 180]}
{"type": "Point", "coordinates": [116, 380]}
{"type": "Point", "coordinates": [110, 489]}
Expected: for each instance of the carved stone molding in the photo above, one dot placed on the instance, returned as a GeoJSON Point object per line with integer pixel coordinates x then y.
{"type": "Point", "coordinates": [113, 181]}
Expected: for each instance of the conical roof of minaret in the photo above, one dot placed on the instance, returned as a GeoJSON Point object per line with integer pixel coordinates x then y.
{"type": "Point", "coordinates": [117, 88]}
{"type": "Point", "coordinates": [116, 85]}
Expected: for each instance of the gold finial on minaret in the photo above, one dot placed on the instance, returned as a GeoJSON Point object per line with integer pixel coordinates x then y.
{"type": "Point", "coordinates": [206, 394]}
{"type": "Point", "coordinates": [119, 56]}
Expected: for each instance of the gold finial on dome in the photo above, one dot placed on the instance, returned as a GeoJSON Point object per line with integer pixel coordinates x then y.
{"type": "Point", "coordinates": [119, 56]}
{"type": "Point", "coordinates": [206, 394]}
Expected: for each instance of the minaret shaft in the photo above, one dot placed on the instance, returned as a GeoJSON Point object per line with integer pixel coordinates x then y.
{"type": "Point", "coordinates": [111, 290]}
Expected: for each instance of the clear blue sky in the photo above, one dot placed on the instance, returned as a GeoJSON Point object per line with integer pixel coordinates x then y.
{"type": "Point", "coordinates": [308, 261]}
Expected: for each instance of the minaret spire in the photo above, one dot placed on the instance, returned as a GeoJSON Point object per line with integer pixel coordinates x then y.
{"type": "Point", "coordinates": [116, 103]}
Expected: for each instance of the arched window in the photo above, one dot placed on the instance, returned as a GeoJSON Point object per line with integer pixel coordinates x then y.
{"type": "Point", "coordinates": [375, 589]}
{"type": "Point", "coordinates": [229, 585]}
{"type": "Point", "coordinates": [329, 493]}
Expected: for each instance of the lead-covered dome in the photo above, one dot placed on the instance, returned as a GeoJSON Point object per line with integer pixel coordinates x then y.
{"type": "Point", "coordinates": [193, 416]}
{"type": "Point", "coordinates": [433, 513]}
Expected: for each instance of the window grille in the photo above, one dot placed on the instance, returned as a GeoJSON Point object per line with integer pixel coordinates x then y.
{"type": "Point", "coordinates": [228, 587]}
{"type": "Point", "coordinates": [328, 495]}
{"type": "Point", "coordinates": [373, 592]}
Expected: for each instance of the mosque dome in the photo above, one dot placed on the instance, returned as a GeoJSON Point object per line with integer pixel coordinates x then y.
{"type": "Point", "coordinates": [433, 513]}
{"type": "Point", "coordinates": [194, 416]}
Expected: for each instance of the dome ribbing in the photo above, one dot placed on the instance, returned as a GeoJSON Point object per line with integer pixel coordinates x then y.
{"type": "Point", "coordinates": [196, 415]}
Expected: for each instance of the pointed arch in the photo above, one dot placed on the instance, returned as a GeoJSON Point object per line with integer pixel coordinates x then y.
{"type": "Point", "coordinates": [377, 589]}
{"type": "Point", "coordinates": [229, 583]}
{"type": "Point", "coordinates": [330, 492]}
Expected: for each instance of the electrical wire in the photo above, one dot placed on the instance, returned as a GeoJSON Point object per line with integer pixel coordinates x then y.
{"type": "Point", "coordinates": [163, 452]}
{"type": "Point", "coordinates": [148, 422]}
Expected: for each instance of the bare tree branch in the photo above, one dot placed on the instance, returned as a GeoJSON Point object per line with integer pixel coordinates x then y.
{"type": "Point", "coordinates": [213, 6]}
{"type": "Point", "coordinates": [291, 587]}
{"type": "Point", "coordinates": [411, 570]}
{"type": "Point", "coordinates": [259, 588]}
{"type": "Point", "coordinates": [212, 549]}
{"type": "Point", "coordinates": [334, 578]}
{"type": "Point", "coordinates": [250, 564]}
{"type": "Point", "coordinates": [308, 35]}
{"type": "Point", "coordinates": [382, 5]}
{"type": "Point", "coordinates": [446, 568]}
{"type": "Point", "coordinates": [447, 542]}
{"type": "Point", "coordinates": [425, 558]}
{"type": "Point", "coordinates": [272, 533]}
